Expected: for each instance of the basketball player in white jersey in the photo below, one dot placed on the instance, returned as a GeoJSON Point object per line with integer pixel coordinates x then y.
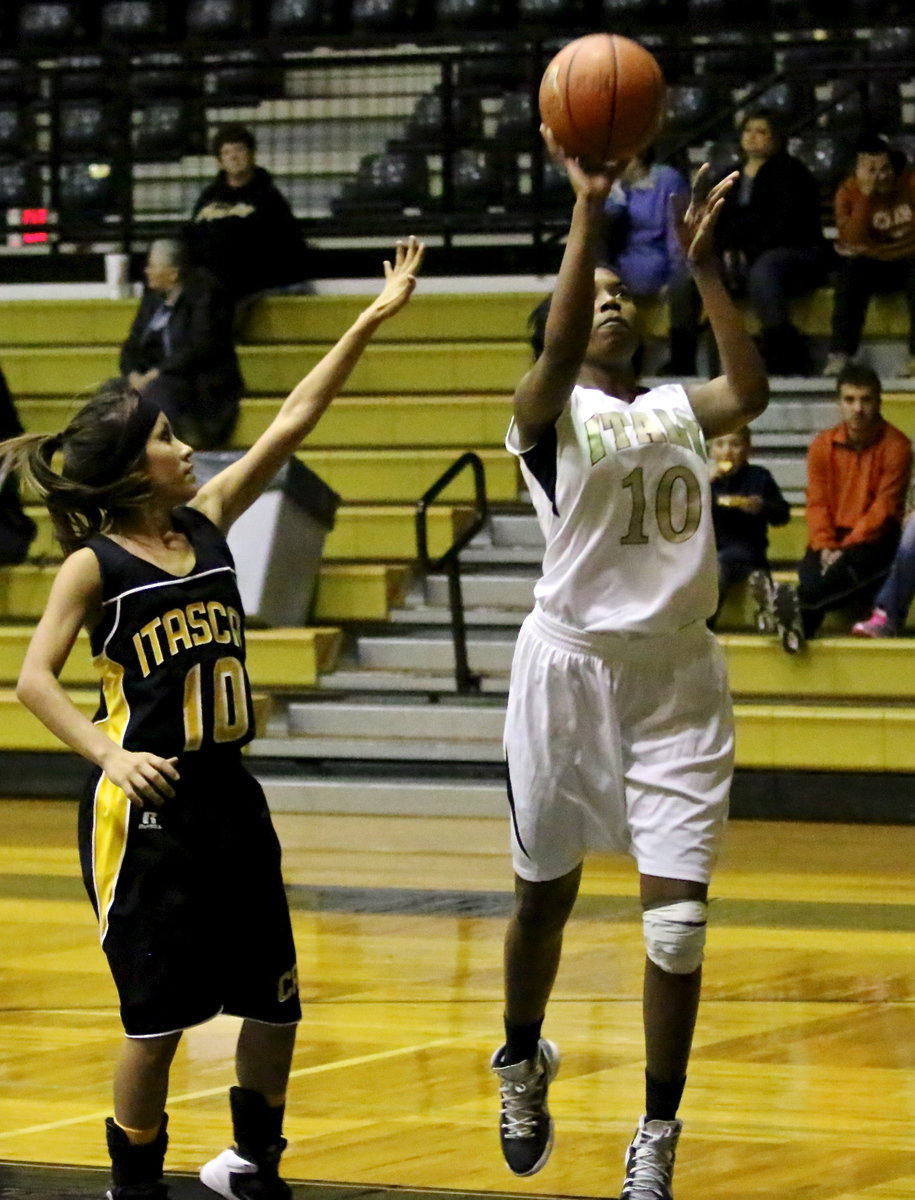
{"type": "Point", "coordinates": [619, 732]}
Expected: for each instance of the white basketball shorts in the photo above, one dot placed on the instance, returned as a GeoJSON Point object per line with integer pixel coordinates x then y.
{"type": "Point", "coordinates": [617, 744]}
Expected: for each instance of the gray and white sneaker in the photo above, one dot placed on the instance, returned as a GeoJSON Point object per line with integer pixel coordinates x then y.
{"type": "Point", "coordinates": [525, 1124]}
{"type": "Point", "coordinates": [650, 1161]}
{"type": "Point", "coordinates": [762, 589]}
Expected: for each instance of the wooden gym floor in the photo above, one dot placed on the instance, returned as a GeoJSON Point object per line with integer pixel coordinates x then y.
{"type": "Point", "coordinates": [803, 1074]}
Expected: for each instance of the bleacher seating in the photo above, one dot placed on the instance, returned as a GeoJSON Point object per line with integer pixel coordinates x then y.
{"type": "Point", "coordinates": [332, 127]}
{"type": "Point", "coordinates": [436, 382]}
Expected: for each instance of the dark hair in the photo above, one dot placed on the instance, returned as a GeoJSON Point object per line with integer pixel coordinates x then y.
{"type": "Point", "coordinates": [772, 119]}
{"type": "Point", "coordinates": [234, 134]}
{"type": "Point", "coordinates": [536, 327]}
{"type": "Point", "coordinates": [872, 143]}
{"type": "Point", "coordinates": [81, 500]}
{"type": "Point", "coordinates": [858, 375]}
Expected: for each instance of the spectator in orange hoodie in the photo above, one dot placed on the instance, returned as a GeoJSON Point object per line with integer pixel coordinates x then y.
{"type": "Point", "coordinates": [875, 221]}
{"type": "Point", "coordinates": [857, 479]}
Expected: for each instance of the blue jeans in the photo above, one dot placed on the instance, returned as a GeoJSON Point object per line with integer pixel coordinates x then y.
{"type": "Point", "coordinates": [778, 275]}
{"type": "Point", "coordinates": [899, 587]}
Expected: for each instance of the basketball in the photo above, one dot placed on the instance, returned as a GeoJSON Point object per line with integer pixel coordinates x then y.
{"type": "Point", "coordinates": [603, 97]}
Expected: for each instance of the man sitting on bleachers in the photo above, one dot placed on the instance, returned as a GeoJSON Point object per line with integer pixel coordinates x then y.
{"type": "Point", "coordinates": [875, 224]}
{"type": "Point", "coordinates": [180, 350]}
{"type": "Point", "coordinates": [857, 479]}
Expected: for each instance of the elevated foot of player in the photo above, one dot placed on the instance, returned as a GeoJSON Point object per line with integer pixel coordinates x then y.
{"type": "Point", "coordinates": [650, 1161]}
{"type": "Point", "coordinates": [525, 1124]}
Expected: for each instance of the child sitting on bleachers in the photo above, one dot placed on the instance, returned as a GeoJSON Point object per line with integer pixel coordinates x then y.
{"type": "Point", "coordinates": [746, 500]}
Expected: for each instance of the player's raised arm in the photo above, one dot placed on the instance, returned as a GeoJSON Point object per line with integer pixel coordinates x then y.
{"type": "Point", "coordinates": [544, 390]}
{"type": "Point", "coordinates": [741, 392]}
{"type": "Point", "coordinates": [226, 496]}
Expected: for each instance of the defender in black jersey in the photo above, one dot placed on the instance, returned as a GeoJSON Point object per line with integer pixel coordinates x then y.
{"type": "Point", "coordinates": [178, 852]}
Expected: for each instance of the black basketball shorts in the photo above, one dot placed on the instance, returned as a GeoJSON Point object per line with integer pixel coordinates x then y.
{"type": "Point", "coordinates": [192, 909]}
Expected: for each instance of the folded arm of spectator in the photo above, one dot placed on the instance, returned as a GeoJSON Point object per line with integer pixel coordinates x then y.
{"type": "Point", "coordinates": [776, 508]}
{"type": "Point", "coordinates": [853, 218]}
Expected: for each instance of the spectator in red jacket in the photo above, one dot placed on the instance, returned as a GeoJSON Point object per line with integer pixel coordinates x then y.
{"type": "Point", "coordinates": [875, 222]}
{"type": "Point", "coordinates": [857, 480]}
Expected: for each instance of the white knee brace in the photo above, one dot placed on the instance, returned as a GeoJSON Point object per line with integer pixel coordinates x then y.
{"type": "Point", "coordinates": [675, 935]}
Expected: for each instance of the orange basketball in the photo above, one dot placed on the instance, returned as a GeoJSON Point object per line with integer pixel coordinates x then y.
{"type": "Point", "coordinates": [603, 97]}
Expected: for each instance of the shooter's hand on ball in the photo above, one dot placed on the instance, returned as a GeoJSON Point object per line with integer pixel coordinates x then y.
{"type": "Point", "coordinates": [591, 181]}
{"type": "Point", "coordinates": [696, 226]}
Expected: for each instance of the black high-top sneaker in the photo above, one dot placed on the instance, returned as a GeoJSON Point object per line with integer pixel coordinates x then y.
{"type": "Point", "coordinates": [788, 619]}
{"type": "Point", "coordinates": [650, 1161]}
{"type": "Point", "coordinates": [525, 1124]}
{"type": "Point", "coordinates": [136, 1171]}
{"type": "Point", "coordinates": [250, 1170]}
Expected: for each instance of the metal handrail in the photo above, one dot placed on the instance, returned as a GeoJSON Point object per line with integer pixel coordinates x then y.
{"type": "Point", "coordinates": [465, 680]}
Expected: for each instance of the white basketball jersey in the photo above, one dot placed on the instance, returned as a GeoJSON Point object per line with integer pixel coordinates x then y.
{"type": "Point", "coordinates": [622, 495]}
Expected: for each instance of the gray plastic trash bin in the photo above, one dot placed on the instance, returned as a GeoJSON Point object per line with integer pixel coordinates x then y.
{"type": "Point", "coordinates": [277, 544]}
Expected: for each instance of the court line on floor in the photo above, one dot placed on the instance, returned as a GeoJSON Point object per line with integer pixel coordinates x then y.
{"type": "Point", "coordinates": [298, 1073]}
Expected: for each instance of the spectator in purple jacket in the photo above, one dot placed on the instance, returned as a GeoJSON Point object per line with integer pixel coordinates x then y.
{"type": "Point", "coordinates": [643, 250]}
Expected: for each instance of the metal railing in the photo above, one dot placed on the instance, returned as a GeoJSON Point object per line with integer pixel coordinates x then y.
{"type": "Point", "coordinates": [465, 680]}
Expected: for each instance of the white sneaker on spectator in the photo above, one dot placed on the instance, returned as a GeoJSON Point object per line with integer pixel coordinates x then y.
{"type": "Point", "coordinates": [835, 365]}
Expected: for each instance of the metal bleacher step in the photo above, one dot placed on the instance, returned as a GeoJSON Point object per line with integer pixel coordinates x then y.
{"type": "Point", "coordinates": [489, 652]}
{"type": "Point", "coordinates": [352, 678]}
{"type": "Point", "coordinates": [402, 730]}
{"type": "Point", "coordinates": [479, 616]}
{"type": "Point", "coordinates": [403, 796]}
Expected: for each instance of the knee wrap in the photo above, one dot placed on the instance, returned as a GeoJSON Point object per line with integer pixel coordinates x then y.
{"type": "Point", "coordinates": [675, 935]}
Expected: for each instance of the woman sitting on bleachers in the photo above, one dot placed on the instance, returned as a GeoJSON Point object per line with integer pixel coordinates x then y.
{"type": "Point", "coordinates": [771, 240]}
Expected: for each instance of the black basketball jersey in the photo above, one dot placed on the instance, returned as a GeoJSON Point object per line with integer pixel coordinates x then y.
{"type": "Point", "coordinates": [171, 649]}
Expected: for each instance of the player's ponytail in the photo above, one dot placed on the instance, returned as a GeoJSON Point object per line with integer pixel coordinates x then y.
{"type": "Point", "coordinates": [92, 473]}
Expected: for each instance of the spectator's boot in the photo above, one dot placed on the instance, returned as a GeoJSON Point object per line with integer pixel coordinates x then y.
{"type": "Point", "coordinates": [788, 618]}
{"type": "Point", "coordinates": [683, 344]}
{"type": "Point", "coordinates": [785, 350]}
{"type": "Point", "coordinates": [762, 589]}
{"type": "Point", "coordinates": [136, 1171]}
{"type": "Point", "coordinates": [836, 363]}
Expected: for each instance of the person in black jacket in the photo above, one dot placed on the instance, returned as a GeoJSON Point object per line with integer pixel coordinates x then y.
{"type": "Point", "coordinates": [242, 228]}
{"type": "Point", "coordinates": [771, 240]}
{"type": "Point", "coordinates": [180, 348]}
{"type": "Point", "coordinates": [17, 529]}
{"type": "Point", "coordinates": [746, 500]}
